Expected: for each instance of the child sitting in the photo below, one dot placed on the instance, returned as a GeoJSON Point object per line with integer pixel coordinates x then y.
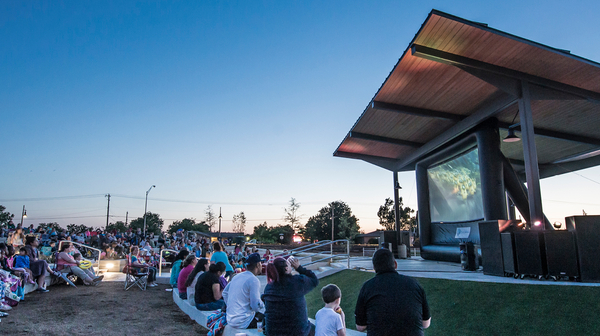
{"type": "Point", "coordinates": [21, 263]}
{"type": "Point", "coordinates": [330, 320]}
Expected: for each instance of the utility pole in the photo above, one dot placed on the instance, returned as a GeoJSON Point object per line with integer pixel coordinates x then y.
{"type": "Point", "coordinates": [220, 223]}
{"type": "Point", "coordinates": [332, 229]}
{"type": "Point", "coordinates": [107, 210]}
{"type": "Point", "coordinates": [126, 217]}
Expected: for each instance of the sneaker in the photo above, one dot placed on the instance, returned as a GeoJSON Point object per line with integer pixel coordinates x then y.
{"type": "Point", "coordinates": [5, 307]}
{"type": "Point", "coordinates": [42, 290]}
{"type": "Point", "coordinates": [2, 314]}
{"type": "Point", "coordinates": [99, 278]}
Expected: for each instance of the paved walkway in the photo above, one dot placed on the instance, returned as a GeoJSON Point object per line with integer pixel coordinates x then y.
{"type": "Point", "coordinates": [421, 268]}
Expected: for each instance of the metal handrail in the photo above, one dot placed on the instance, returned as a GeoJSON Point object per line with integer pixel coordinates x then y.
{"type": "Point", "coordinates": [160, 260]}
{"type": "Point", "coordinates": [318, 245]}
{"type": "Point", "coordinates": [83, 245]}
{"type": "Point", "coordinates": [305, 248]}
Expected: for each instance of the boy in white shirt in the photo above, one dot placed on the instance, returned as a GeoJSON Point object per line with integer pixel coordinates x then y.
{"type": "Point", "coordinates": [330, 320]}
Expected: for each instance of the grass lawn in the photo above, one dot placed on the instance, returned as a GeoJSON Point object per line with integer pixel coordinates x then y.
{"type": "Point", "coordinates": [479, 308]}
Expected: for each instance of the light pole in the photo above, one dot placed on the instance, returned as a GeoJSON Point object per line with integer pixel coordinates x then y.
{"type": "Point", "coordinates": [146, 209]}
{"type": "Point", "coordinates": [23, 215]}
{"type": "Point", "coordinates": [220, 223]}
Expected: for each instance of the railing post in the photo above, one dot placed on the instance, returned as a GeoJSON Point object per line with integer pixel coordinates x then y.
{"type": "Point", "coordinates": [348, 251]}
{"type": "Point", "coordinates": [160, 263]}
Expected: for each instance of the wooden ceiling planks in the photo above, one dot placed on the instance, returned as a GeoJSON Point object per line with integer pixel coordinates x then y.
{"type": "Point", "coordinates": [423, 83]}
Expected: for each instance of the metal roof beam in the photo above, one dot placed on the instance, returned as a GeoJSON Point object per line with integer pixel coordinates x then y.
{"type": "Point", "coordinates": [416, 111]}
{"type": "Point", "coordinates": [557, 135]}
{"type": "Point", "coordinates": [358, 135]}
{"type": "Point", "coordinates": [461, 61]}
{"type": "Point", "coordinates": [487, 109]}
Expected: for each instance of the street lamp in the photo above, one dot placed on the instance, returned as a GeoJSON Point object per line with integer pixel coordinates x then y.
{"type": "Point", "coordinates": [23, 215]}
{"type": "Point", "coordinates": [220, 223]}
{"type": "Point", "coordinates": [146, 209]}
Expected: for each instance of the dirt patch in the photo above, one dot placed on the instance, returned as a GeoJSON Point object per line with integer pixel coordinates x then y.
{"type": "Point", "coordinates": [103, 310]}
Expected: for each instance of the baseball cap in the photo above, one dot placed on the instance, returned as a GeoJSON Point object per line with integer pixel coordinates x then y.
{"type": "Point", "coordinates": [252, 259]}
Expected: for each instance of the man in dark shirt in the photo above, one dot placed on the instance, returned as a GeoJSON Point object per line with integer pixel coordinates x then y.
{"type": "Point", "coordinates": [390, 303]}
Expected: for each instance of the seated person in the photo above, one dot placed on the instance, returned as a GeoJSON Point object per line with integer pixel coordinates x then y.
{"type": "Point", "coordinates": [39, 268]}
{"type": "Point", "coordinates": [141, 265]}
{"type": "Point", "coordinates": [21, 263]}
{"type": "Point", "coordinates": [208, 294]}
{"type": "Point", "coordinates": [242, 296]}
{"type": "Point", "coordinates": [201, 267]}
{"type": "Point", "coordinates": [66, 263]}
{"type": "Point", "coordinates": [186, 269]}
{"type": "Point", "coordinates": [331, 320]}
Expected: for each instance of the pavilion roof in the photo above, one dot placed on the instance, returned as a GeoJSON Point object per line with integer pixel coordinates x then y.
{"type": "Point", "coordinates": [457, 73]}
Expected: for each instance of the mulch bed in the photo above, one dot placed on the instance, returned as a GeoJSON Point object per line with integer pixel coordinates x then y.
{"type": "Point", "coordinates": [106, 309]}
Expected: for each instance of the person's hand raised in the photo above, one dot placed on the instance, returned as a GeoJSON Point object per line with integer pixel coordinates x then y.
{"type": "Point", "coordinates": [294, 263]}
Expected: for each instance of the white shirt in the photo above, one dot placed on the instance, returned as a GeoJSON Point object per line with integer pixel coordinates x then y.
{"type": "Point", "coordinates": [242, 296]}
{"type": "Point", "coordinates": [327, 322]}
{"type": "Point", "coordinates": [191, 290]}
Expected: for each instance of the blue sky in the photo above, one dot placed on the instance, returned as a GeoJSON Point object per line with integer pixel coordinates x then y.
{"type": "Point", "coordinates": [235, 104]}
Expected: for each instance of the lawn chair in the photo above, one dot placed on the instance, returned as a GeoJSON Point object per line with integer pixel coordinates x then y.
{"type": "Point", "coordinates": [135, 276]}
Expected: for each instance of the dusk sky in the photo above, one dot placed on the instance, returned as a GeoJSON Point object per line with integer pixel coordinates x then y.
{"type": "Point", "coordinates": [236, 104]}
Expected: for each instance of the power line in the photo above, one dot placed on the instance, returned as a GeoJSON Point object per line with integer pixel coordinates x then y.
{"type": "Point", "coordinates": [53, 198]}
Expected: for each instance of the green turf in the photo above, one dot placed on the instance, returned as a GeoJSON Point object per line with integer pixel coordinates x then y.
{"type": "Point", "coordinates": [480, 308]}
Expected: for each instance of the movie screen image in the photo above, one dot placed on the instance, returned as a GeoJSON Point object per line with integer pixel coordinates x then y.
{"type": "Point", "coordinates": [455, 189]}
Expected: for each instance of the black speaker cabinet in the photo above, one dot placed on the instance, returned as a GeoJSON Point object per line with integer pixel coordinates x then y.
{"type": "Point", "coordinates": [491, 248]}
{"type": "Point", "coordinates": [561, 253]}
{"type": "Point", "coordinates": [587, 238]}
{"type": "Point", "coordinates": [391, 237]}
{"type": "Point", "coordinates": [508, 253]}
{"type": "Point", "coordinates": [530, 252]}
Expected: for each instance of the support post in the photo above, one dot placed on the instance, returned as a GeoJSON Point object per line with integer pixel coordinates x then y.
{"type": "Point", "coordinates": [532, 172]}
{"type": "Point", "coordinates": [397, 212]}
{"type": "Point", "coordinates": [107, 210]}
{"type": "Point", "coordinates": [332, 231]}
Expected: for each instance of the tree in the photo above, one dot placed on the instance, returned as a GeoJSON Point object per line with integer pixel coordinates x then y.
{"type": "Point", "coordinates": [188, 224]}
{"type": "Point", "coordinates": [153, 223]}
{"type": "Point", "coordinates": [6, 217]}
{"type": "Point", "coordinates": [239, 222]}
{"type": "Point", "coordinates": [266, 234]}
{"type": "Point", "coordinates": [118, 226]}
{"type": "Point", "coordinates": [345, 223]}
{"type": "Point", "coordinates": [74, 228]}
{"type": "Point", "coordinates": [292, 216]}
{"type": "Point", "coordinates": [387, 216]}
{"type": "Point", "coordinates": [210, 218]}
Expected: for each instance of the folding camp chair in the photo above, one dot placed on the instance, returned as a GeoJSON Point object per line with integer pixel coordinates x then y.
{"type": "Point", "coordinates": [135, 276]}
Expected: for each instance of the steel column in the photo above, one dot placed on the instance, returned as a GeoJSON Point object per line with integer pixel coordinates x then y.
{"type": "Point", "coordinates": [532, 172]}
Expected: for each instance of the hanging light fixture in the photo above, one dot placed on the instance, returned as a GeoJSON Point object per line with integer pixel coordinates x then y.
{"type": "Point", "coordinates": [511, 137]}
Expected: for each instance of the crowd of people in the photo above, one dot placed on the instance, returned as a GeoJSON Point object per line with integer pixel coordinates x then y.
{"type": "Point", "coordinates": [214, 279]}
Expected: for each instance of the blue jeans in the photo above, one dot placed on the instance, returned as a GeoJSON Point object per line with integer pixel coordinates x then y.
{"type": "Point", "coordinates": [211, 305]}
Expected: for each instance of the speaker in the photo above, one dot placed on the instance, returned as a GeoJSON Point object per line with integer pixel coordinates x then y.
{"type": "Point", "coordinates": [587, 240]}
{"type": "Point", "coordinates": [530, 252]}
{"type": "Point", "coordinates": [391, 237]}
{"type": "Point", "coordinates": [491, 248]}
{"type": "Point", "coordinates": [508, 253]}
{"type": "Point", "coordinates": [561, 253]}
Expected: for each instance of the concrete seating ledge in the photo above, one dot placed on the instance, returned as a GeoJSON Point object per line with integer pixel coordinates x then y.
{"type": "Point", "coordinates": [201, 316]}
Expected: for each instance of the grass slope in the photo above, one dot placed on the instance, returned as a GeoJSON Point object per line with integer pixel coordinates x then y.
{"type": "Point", "coordinates": [479, 308]}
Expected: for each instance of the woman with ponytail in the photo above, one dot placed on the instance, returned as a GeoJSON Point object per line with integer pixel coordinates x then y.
{"type": "Point", "coordinates": [285, 306]}
{"type": "Point", "coordinates": [209, 295]}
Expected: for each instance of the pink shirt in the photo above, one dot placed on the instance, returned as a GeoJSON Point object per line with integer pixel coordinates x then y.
{"type": "Point", "coordinates": [183, 275]}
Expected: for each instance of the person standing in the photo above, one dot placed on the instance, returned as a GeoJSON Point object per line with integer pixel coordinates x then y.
{"type": "Point", "coordinates": [391, 303]}
{"type": "Point", "coordinates": [242, 296]}
{"type": "Point", "coordinates": [221, 256]}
